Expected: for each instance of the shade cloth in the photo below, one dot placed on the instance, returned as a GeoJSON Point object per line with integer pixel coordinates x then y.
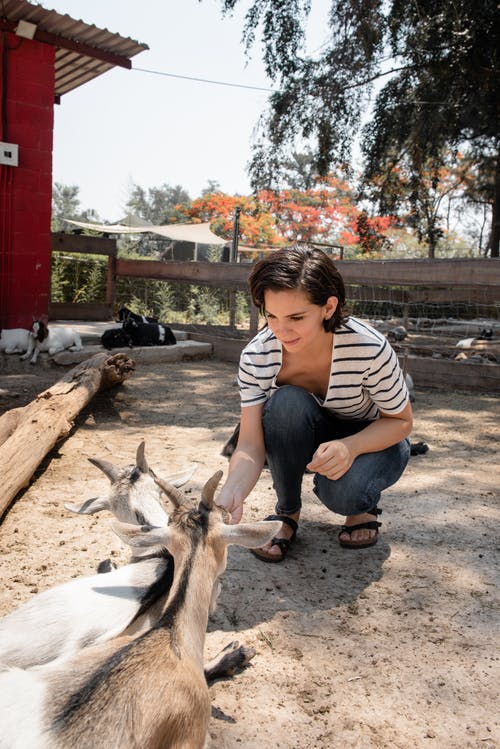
{"type": "Point", "coordinates": [197, 233]}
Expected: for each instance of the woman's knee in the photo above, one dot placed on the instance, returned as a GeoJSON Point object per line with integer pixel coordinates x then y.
{"type": "Point", "coordinates": [360, 488]}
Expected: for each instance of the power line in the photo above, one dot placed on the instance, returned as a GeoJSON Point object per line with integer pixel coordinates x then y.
{"type": "Point", "coordinates": [205, 80]}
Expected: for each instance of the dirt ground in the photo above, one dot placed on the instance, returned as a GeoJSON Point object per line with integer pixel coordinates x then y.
{"type": "Point", "coordinates": [394, 646]}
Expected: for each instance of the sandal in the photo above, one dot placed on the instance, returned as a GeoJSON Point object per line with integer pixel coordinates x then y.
{"type": "Point", "coordinates": [283, 543]}
{"type": "Point", "coordinates": [372, 525]}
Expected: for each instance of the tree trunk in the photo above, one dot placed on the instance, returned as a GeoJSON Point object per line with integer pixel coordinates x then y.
{"type": "Point", "coordinates": [27, 434]}
{"type": "Point", "coordinates": [494, 239]}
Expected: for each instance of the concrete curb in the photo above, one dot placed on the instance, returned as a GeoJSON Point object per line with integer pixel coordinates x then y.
{"type": "Point", "coordinates": [141, 354]}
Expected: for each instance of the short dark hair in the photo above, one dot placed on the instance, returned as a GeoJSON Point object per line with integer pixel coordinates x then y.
{"type": "Point", "coordinates": [300, 267]}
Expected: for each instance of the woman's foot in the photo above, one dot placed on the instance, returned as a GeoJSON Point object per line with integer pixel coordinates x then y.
{"type": "Point", "coordinates": [273, 551]}
{"type": "Point", "coordinates": [360, 531]}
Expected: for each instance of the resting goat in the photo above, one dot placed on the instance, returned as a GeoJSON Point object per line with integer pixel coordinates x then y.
{"type": "Point", "coordinates": [53, 340]}
{"type": "Point", "coordinates": [115, 338]}
{"type": "Point", "coordinates": [149, 692]}
{"type": "Point", "coordinates": [59, 622]}
{"type": "Point", "coordinates": [14, 340]}
{"type": "Point", "coordinates": [124, 314]}
{"type": "Point", "coordinates": [149, 334]}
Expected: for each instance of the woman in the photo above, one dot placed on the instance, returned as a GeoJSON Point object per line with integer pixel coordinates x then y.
{"type": "Point", "coordinates": [320, 392]}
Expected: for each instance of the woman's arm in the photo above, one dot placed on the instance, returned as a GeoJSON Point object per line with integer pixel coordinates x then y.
{"type": "Point", "coordinates": [333, 459]}
{"type": "Point", "coordinates": [246, 463]}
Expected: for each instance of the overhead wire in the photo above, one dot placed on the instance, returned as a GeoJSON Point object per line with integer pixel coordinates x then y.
{"type": "Point", "coordinates": [205, 80]}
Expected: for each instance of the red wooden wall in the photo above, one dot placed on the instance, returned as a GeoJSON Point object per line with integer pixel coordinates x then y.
{"type": "Point", "coordinates": [27, 117]}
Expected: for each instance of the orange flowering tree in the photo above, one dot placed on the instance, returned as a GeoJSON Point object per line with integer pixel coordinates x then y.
{"type": "Point", "coordinates": [325, 213]}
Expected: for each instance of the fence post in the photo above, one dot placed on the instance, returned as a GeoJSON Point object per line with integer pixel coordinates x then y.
{"type": "Point", "coordinates": [111, 281]}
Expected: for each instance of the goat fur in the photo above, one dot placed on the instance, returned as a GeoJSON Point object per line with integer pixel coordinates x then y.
{"type": "Point", "coordinates": [51, 340]}
{"type": "Point", "coordinates": [150, 691]}
{"type": "Point", "coordinates": [14, 340]}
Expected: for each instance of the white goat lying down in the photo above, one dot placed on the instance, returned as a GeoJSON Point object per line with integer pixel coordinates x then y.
{"type": "Point", "coordinates": [53, 340]}
{"type": "Point", "coordinates": [150, 691]}
{"type": "Point", "coordinates": [59, 622]}
{"type": "Point", "coordinates": [14, 340]}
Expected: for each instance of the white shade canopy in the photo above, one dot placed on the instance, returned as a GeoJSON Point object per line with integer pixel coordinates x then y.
{"type": "Point", "coordinates": [197, 233]}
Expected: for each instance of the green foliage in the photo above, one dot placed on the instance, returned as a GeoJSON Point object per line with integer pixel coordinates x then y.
{"type": "Point", "coordinates": [156, 205]}
{"type": "Point", "coordinates": [66, 204]}
{"type": "Point", "coordinates": [441, 90]}
{"type": "Point", "coordinates": [78, 278]}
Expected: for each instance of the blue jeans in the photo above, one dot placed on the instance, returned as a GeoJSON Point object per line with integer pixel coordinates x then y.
{"type": "Point", "coordinates": [294, 426]}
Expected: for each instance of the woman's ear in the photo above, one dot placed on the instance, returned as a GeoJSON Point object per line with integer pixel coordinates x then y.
{"type": "Point", "coordinates": [330, 306]}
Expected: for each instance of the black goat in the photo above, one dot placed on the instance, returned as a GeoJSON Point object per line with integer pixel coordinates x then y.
{"type": "Point", "coordinates": [115, 338]}
{"type": "Point", "coordinates": [149, 334]}
{"type": "Point", "coordinates": [124, 314]}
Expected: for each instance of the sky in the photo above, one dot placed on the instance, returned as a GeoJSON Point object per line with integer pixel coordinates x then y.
{"type": "Point", "coordinates": [129, 127]}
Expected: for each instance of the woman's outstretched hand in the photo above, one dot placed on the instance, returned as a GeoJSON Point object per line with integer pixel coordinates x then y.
{"type": "Point", "coordinates": [233, 506]}
{"type": "Point", "coordinates": [331, 459]}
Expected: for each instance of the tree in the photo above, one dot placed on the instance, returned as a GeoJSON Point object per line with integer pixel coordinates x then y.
{"type": "Point", "coordinates": [440, 63]}
{"type": "Point", "coordinates": [156, 205]}
{"type": "Point", "coordinates": [324, 213]}
{"type": "Point", "coordinates": [422, 188]}
{"type": "Point", "coordinates": [66, 204]}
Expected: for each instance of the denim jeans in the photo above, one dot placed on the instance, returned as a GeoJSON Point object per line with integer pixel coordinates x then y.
{"type": "Point", "coordinates": [294, 426]}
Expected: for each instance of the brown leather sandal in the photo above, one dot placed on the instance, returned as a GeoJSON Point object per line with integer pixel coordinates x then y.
{"type": "Point", "coordinates": [372, 525]}
{"type": "Point", "coordinates": [283, 543]}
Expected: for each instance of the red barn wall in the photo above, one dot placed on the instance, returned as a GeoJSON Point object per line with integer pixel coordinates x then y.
{"type": "Point", "coordinates": [26, 190]}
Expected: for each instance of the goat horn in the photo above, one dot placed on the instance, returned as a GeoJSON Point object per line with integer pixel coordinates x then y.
{"type": "Point", "coordinates": [170, 490]}
{"type": "Point", "coordinates": [207, 494]}
{"type": "Point", "coordinates": [111, 471]}
{"type": "Point", "coordinates": [140, 458]}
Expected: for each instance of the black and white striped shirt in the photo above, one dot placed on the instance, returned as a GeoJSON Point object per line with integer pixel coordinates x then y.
{"type": "Point", "coordinates": [365, 376]}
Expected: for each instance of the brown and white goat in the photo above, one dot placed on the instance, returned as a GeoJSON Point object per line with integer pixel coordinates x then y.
{"type": "Point", "coordinates": [149, 692]}
{"type": "Point", "coordinates": [52, 340]}
{"type": "Point", "coordinates": [61, 621]}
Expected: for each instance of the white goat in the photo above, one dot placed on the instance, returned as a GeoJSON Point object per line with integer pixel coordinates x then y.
{"type": "Point", "coordinates": [134, 496]}
{"type": "Point", "coordinates": [148, 692]}
{"type": "Point", "coordinates": [14, 340]}
{"type": "Point", "coordinates": [59, 622]}
{"type": "Point", "coordinates": [53, 340]}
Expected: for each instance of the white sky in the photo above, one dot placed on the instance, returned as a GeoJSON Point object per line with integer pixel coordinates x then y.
{"type": "Point", "coordinates": [129, 127]}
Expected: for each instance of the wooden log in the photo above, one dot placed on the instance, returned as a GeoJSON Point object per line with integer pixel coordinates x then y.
{"type": "Point", "coordinates": [27, 434]}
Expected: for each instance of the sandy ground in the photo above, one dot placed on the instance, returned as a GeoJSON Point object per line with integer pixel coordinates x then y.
{"type": "Point", "coordinates": [394, 646]}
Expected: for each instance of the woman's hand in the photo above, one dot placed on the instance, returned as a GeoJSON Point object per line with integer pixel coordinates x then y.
{"type": "Point", "coordinates": [332, 459]}
{"type": "Point", "coordinates": [232, 505]}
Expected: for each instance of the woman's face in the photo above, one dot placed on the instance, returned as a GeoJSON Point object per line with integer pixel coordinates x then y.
{"type": "Point", "coordinates": [294, 319]}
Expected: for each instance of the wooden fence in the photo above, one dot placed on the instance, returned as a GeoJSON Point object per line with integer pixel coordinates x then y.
{"type": "Point", "coordinates": [405, 281]}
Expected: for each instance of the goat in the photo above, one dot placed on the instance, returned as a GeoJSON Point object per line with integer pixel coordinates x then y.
{"type": "Point", "coordinates": [115, 338]}
{"type": "Point", "coordinates": [14, 340]}
{"type": "Point", "coordinates": [148, 692]}
{"type": "Point", "coordinates": [134, 496]}
{"type": "Point", "coordinates": [124, 314]}
{"type": "Point", "coordinates": [53, 340]}
{"type": "Point", "coordinates": [149, 334]}
{"type": "Point", "coordinates": [59, 622]}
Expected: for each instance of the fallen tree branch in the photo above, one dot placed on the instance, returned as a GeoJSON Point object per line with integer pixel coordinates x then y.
{"type": "Point", "coordinates": [28, 434]}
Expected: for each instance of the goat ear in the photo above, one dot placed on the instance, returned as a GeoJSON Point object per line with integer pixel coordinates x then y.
{"type": "Point", "coordinates": [111, 471]}
{"type": "Point", "coordinates": [250, 535]}
{"type": "Point", "coordinates": [208, 491]}
{"type": "Point", "coordinates": [181, 478]}
{"type": "Point", "coordinates": [142, 538]}
{"type": "Point", "coordinates": [140, 458]}
{"type": "Point", "coordinates": [90, 506]}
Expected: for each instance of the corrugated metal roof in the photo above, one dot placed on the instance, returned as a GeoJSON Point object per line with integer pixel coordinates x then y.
{"type": "Point", "coordinates": [83, 51]}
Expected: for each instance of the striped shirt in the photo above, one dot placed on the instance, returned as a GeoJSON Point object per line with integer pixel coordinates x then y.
{"type": "Point", "coordinates": [365, 376]}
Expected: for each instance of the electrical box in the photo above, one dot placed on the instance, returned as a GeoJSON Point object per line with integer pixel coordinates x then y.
{"type": "Point", "coordinates": [9, 154]}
